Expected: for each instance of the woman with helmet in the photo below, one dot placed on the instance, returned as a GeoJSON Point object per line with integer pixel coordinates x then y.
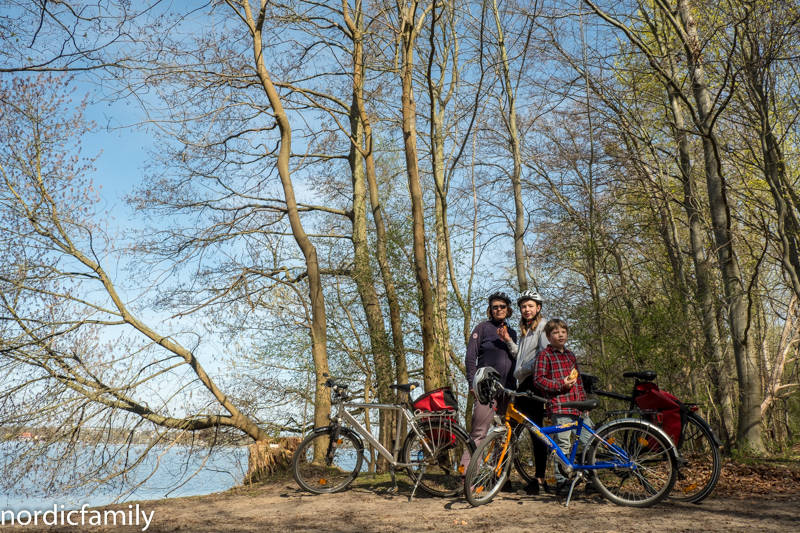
{"type": "Point", "coordinates": [490, 346]}
{"type": "Point", "coordinates": [532, 341]}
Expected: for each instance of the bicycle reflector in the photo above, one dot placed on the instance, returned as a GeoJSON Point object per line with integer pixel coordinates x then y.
{"type": "Point", "coordinates": [643, 441]}
{"type": "Point", "coordinates": [693, 408]}
{"type": "Point", "coordinates": [323, 481]}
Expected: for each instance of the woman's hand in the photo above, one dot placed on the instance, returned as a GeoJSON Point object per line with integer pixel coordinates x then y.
{"type": "Point", "coordinates": [502, 332]}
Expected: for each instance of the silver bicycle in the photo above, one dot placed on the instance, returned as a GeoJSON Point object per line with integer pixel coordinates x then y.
{"type": "Point", "coordinates": [330, 458]}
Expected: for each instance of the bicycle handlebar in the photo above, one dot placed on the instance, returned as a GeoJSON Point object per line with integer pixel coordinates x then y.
{"type": "Point", "coordinates": [528, 394]}
{"type": "Point", "coordinates": [337, 388]}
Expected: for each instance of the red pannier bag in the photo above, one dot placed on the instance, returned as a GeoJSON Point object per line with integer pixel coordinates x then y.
{"type": "Point", "coordinates": [437, 400]}
{"type": "Point", "coordinates": [443, 403]}
{"type": "Point", "coordinates": [673, 412]}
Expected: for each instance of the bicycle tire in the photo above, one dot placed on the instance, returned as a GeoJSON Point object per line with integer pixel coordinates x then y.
{"type": "Point", "coordinates": [447, 443]}
{"type": "Point", "coordinates": [524, 459]}
{"type": "Point", "coordinates": [337, 471]}
{"type": "Point", "coordinates": [655, 469]}
{"type": "Point", "coordinates": [699, 465]}
{"type": "Point", "coordinates": [481, 483]}
{"type": "Point", "coordinates": [523, 455]}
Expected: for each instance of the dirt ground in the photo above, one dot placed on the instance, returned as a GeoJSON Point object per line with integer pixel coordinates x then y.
{"type": "Point", "coordinates": [281, 507]}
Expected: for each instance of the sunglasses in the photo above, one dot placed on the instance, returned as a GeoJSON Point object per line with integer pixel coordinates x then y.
{"type": "Point", "coordinates": [499, 307]}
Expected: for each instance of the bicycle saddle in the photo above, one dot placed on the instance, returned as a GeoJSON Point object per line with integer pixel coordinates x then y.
{"type": "Point", "coordinates": [647, 375]}
{"type": "Point", "coordinates": [585, 405]}
{"type": "Point", "coordinates": [405, 387]}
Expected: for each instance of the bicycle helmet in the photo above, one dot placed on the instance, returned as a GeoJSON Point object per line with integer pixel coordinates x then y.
{"type": "Point", "coordinates": [499, 296]}
{"type": "Point", "coordinates": [486, 384]}
{"type": "Point", "coordinates": [529, 295]}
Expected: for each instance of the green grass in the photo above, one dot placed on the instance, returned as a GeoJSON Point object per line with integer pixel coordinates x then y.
{"type": "Point", "coordinates": [789, 459]}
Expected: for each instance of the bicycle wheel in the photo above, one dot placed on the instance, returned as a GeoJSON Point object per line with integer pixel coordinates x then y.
{"type": "Point", "coordinates": [524, 459]}
{"type": "Point", "coordinates": [699, 464]}
{"type": "Point", "coordinates": [523, 455]}
{"type": "Point", "coordinates": [646, 477]}
{"type": "Point", "coordinates": [489, 469]}
{"type": "Point", "coordinates": [336, 470]}
{"type": "Point", "coordinates": [439, 451]}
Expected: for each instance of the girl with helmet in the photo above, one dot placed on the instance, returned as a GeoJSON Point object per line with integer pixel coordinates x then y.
{"type": "Point", "coordinates": [532, 341]}
{"type": "Point", "coordinates": [490, 346]}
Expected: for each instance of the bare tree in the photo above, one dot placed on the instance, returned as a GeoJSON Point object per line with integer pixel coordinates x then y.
{"type": "Point", "coordinates": [57, 298]}
{"type": "Point", "coordinates": [409, 25]}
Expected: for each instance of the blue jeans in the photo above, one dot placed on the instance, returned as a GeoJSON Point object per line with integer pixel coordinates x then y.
{"type": "Point", "coordinates": [564, 441]}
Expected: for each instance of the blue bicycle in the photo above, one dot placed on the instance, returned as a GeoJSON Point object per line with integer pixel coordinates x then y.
{"type": "Point", "coordinates": [631, 462]}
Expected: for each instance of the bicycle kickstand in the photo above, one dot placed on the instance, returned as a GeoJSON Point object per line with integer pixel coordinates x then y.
{"type": "Point", "coordinates": [419, 478]}
{"type": "Point", "coordinates": [572, 487]}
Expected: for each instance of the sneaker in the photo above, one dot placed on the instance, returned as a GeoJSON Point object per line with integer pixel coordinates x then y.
{"type": "Point", "coordinates": [590, 488]}
{"type": "Point", "coordinates": [531, 489]}
{"type": "Point", "coordinates": [562, 487]}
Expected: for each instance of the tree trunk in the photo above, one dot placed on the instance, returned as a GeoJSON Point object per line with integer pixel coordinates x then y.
{"type": "Point", "coordinates": [318, 330]}
{"type": "Point", "coordinates": [759, 92]}
{"type": "Point", "coordinates": [362, 269]}
{"type": "Point", "coordinates": [747, 369]}
{"type": "Point", "coordinates": [365, 285]}
{"type": "Point", "coordinates": [356, 28]}
{"type": "Point", "coordinates": [702, 268]}
{"type": "Point", "coordinates": [433, 367]}
{"type": "Point", "coordinates": [438, 104]}
{"type": "Point", "coordinates": [267, 458]}
{"type": "Point", "coordinates": [514, 147]}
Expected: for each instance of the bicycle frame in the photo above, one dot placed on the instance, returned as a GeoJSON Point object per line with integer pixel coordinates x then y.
{"type": "Point", "coordinates": [344, 415]}
{"type": "Point", "coordinates": [543, 434]}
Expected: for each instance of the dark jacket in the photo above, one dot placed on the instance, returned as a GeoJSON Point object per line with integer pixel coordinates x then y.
{"type": "Point", "coordinates": [486, 348]}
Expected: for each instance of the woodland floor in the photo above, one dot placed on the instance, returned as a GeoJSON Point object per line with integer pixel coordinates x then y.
{"type": "Point", "coordinates": [748, 498]}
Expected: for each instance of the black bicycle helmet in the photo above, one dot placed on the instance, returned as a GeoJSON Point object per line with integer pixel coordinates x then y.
{"type": "Point", "coordinates": [529, 295]}
{"type": "Point", "coordinates": [486, 384]}
{"type": "Point", "coordinates": [499, 296]}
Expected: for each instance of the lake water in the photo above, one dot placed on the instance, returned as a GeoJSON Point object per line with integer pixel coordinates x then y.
{"type": "Point", "coordinates": [223, 470]}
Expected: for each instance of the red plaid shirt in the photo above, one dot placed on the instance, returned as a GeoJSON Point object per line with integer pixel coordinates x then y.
{"type": "Point", "coordinates": [552, 368]}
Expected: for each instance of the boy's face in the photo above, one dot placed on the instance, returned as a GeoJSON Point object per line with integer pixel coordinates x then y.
{"type": "Point", "coordinates": [558, 338]}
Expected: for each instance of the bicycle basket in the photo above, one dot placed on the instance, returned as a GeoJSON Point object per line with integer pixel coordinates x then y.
{"type": "Point", "coordinates": [436, 400]}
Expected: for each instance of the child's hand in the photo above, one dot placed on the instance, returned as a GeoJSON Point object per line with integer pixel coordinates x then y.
{"type": "Point", "coordinates": [502, 332]}
{"type": "Point", "coordinates": [570, 380]}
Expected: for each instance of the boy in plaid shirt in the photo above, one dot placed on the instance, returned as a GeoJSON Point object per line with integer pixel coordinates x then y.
{"type": "Point", "coordinates": [552, 376]}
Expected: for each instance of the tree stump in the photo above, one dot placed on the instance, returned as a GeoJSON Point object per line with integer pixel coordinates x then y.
{"type": "Point", "coordinates": [268, 458]}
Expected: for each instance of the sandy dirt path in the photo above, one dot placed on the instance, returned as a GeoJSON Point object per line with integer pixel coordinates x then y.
{"type": "Point", "coordinates": [281, 507]}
